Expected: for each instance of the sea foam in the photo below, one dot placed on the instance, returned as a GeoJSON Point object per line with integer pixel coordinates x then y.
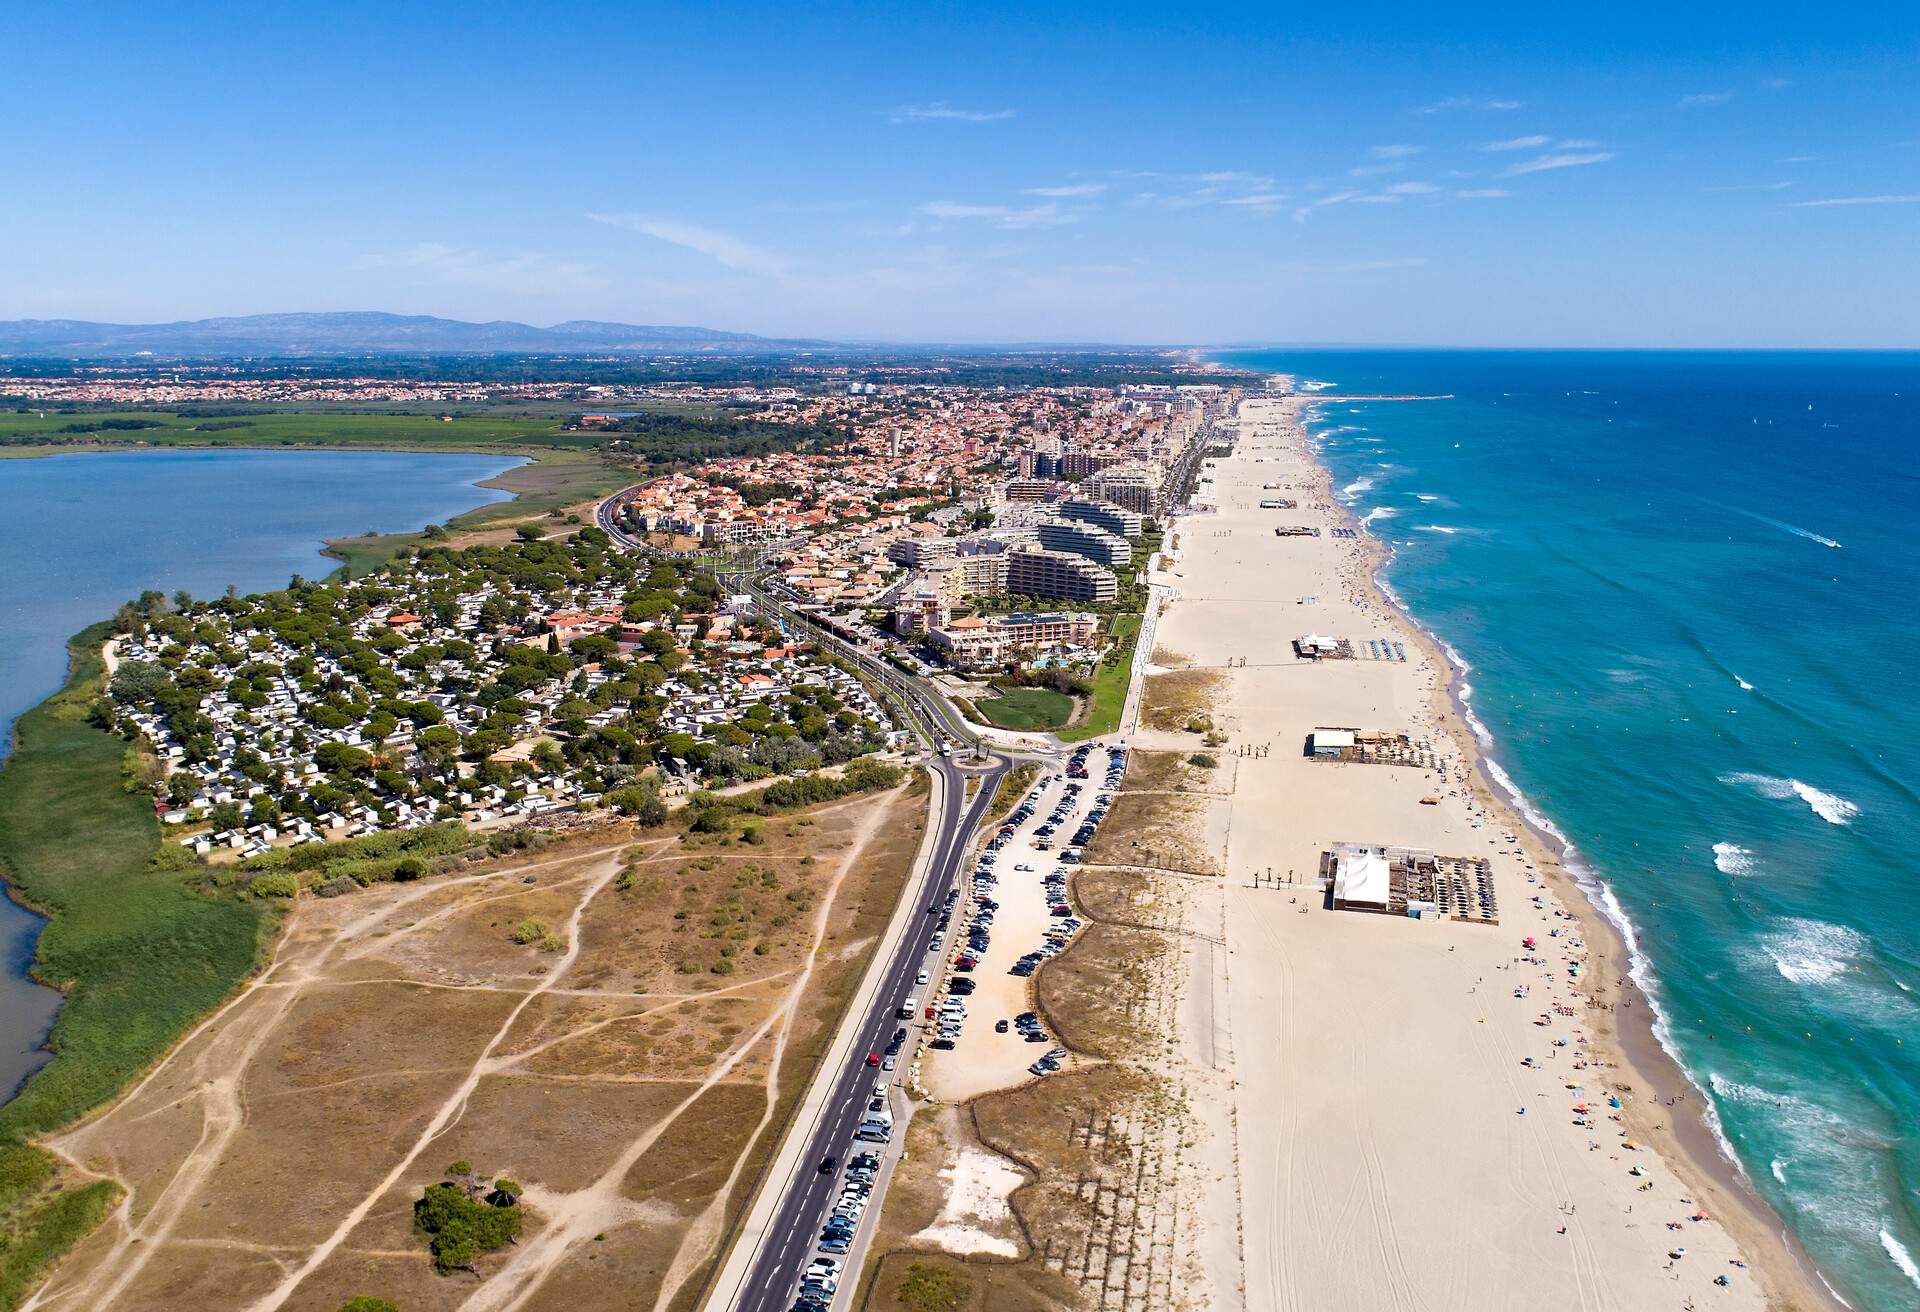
{"type": "Point", "coordinates": [1355, 488]}
{"type": "Point", "coordinates": [1732, 859]}
{"type": "Point", "coordinates": [1831, 807]}
{"type": "Point", "coordinates": [1813, 951]}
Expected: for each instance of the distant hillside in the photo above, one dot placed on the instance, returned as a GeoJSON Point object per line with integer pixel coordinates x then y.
{"type": "Point", "coordinates": [361, 331]}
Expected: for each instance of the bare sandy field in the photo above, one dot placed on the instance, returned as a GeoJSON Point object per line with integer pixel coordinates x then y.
{"type": "Point", "coordinates": [627, 1074]}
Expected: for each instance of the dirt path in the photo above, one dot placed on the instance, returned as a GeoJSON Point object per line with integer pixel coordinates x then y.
{"type": "Point", "coordinates": [270, 1160]}
{"type": "Point", "coordinates": [607, 868]}
{"type": "Point", "coordinates": [220, 1063]}
{"type": "Point", "coordinates": [700, 1238]}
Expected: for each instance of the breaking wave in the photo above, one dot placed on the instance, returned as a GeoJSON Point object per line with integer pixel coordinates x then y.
{"type": "Point", "coordinates": [1732, 859]}
{"type": "Point", "coordinates": [1831, 807]}
{"type": "Point", "coordinates": [1901, 1257]}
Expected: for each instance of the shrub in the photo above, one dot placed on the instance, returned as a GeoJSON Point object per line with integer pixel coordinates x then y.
{"type": "Point", "coordinates": [1203, 760]}
{"type": "Point", "coordinates": [280, 883]}
{"type": "Point", "coordinates": [529, 931]}
{"type": "Point", "coordinates": [460, 1228]}
{"type": "Point", "coordinates": [366, 1304]}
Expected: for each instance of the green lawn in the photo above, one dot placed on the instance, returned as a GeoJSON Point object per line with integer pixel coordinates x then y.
{"type": "Point", "coordinates": [1109, 684]}
{"type": "Point", "coordinates": [1027, 708]}
{"type": "Point", "coordinates": [140, 955]}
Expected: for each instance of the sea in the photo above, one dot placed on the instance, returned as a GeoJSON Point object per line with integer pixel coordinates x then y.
{"type": "Point", "coordinates": [82, 533]}
{"type": "Point", "coordinates": [1684, 593]}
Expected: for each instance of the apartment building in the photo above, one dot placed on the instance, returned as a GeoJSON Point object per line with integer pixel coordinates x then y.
{"type": "Point", "coordinates": [1117, 520]}
{"type": "Point", "coordinates": [991, 639]}
{"type": "Point", "coordinates": [1037, 572]}
{"type": "Point", "coordinates": [1082, 539]}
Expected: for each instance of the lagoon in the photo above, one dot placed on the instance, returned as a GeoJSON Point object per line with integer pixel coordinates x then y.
{"type": "Point", "coordinates": [85, 532]}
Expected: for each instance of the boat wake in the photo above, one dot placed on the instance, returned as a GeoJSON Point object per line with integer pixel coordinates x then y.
{"type": "Point", "coordinates": [1785, 527]}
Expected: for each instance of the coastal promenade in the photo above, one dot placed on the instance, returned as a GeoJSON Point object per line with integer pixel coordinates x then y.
{"type": "Point", "coordinates": [1429, 1112]}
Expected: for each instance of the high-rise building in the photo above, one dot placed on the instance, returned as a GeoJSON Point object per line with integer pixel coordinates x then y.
{"type": "Point", "coordinates": [1084, 539]}
{"type": "Point", "coordinates": [1037, 572]}
{"type": "Point", "coordinates": [1103, 514]}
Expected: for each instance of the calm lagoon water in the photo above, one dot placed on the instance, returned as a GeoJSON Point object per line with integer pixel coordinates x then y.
{"type": "Point", "coordinates": [79, 534]}
{"type": "Point", "coordinates": [1688, 588]}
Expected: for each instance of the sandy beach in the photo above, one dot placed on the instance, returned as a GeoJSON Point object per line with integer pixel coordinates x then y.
{"type": "Point", "coordinates": [1426, 1112]}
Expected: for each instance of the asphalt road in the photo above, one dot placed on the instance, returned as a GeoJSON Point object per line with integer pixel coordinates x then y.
{"type": "Point", "coordinates": [794, 1230]}
{"type": "Point", "coordinates": [795, 1226]}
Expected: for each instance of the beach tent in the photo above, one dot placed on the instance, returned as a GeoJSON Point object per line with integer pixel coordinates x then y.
{"type": "Point", "coordinates": [1361, 880]}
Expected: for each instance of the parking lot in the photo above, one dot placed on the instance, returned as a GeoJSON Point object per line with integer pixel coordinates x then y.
{"type": "Point", "coordinates": [966, 1024]}
{"type": "Point", "coordinates": [1014, 913]}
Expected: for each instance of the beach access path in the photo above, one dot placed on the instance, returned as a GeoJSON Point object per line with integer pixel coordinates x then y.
{"type": "Point", "coordinates": [1421, 1107]}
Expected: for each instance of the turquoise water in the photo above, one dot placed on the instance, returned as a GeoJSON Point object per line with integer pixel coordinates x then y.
{"type": "Point", "coordinates": [83, 533]}
{"type": "Point", "coordinates": [1686, 586]}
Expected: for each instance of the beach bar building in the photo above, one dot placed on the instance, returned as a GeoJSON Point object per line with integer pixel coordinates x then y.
{"type": "Point", "coordinates": [1331, 744]}
{"type": "Point", "coordinates": [1362, 880]}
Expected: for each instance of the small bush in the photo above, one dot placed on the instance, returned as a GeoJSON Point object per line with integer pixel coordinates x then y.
{"type": "Point", "coordinates": [280, 883]}
{"type": "Point", "coordinates": [1204, 760]}
{"type": "Point", "coordinates": [529, 931]}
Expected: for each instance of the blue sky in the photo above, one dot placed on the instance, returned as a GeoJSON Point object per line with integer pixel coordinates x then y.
{"type": "Point", "coordinates": [1669, 176]}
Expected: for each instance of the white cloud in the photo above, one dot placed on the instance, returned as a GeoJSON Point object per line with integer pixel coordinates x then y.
{"type": "Point", "coordinates": [941, 112]}
{"type": "Point", "coordinates": [1484, 193]}
{"type": "Point", "coordinates": [1701, 99]}
{"type": "Point", "coordinates": [1049, 215]}
{"type": "Point", "coordinates": [1576, 143]}
{"type": "Point", "coordinates": [1352, 266]}
{"type": "Point", "coordinates": [1079, 189]}
{"type": "Point", "coordinates": [1321, 202]}
{"type": "Point", "coordinates": [1533, 142]}
{"type": "Point", "coordinates": [1541, 163]}
{"type": "Point", "coordinates": [1469, 102]}
{"type": "Point", "coordinates": [1258, 199]}
{"type": "Point", "coordinates": [1039, 216]}
{"type": "Point", "coordinates": [1411, 188]}
{"type": "Point", "coordinates": [1752, 186]}
{"type": "Point", "coordinates": [947, 209]}
{"type": "Point", "coordinates": [720, 247]}
{"type": "Point", "coordinates": [1856, 200]}
{"type": "Point", "coordinates": [1398, 151]}
{"type": "Point", "coordinates": [530, 273]}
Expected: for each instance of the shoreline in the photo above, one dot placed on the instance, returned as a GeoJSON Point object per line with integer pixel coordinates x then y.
{"type": "Point", "coordinates": [1624, 1014]}
{"type": "Point", "coordinates": [27, 969]}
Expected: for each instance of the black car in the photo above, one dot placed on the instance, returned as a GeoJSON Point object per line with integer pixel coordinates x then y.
{"type": "Point", "coordinates": [828, 1165]}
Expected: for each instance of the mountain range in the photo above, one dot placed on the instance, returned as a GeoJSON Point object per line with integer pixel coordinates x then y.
{"type": "Point", "coordinates": [364, 332]}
